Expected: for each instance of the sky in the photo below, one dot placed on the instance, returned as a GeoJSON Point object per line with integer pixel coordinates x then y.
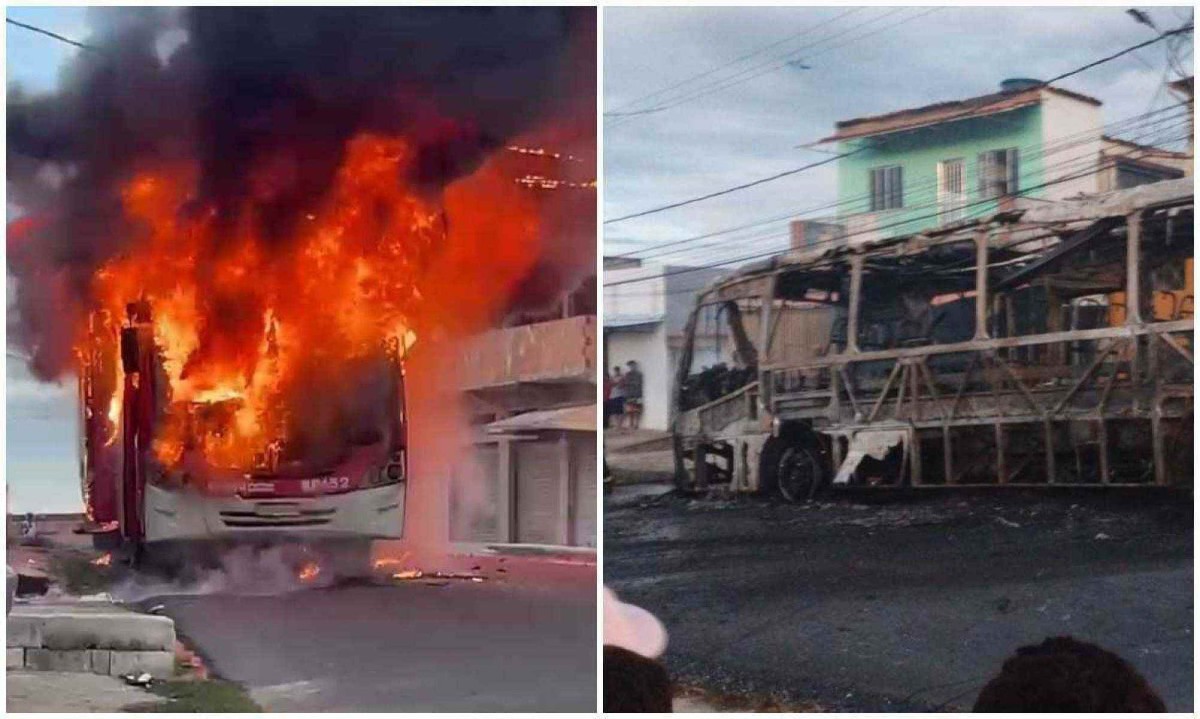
{"type": "Point", "coordinates": [41, 462]}
{"type": "Point", "coordinates": [846, 62]}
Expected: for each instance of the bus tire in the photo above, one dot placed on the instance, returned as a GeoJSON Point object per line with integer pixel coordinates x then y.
{"type": "Point", "coordinates": [800, 474]}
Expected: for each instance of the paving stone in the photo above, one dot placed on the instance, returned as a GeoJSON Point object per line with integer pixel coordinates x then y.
{"type": "Point", "coordinates": [160, 665]}
{"type": "Point", "coordinates": [101, 661]}
{"type": "Point", "coordinates": [55, 660]}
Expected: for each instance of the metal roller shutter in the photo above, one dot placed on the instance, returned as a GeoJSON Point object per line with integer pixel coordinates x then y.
{"type": "Point", "coordinates": [473, 511]}
{"type": "Point", "coordinates": [541, 516]}
{"type": "Point", "coordinates": [583, 467]}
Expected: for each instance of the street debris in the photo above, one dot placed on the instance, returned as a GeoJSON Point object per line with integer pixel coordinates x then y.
{"type": "Point", "coordinates": [138, 680]}
{"type": "Point", "coordinates": [415, 574]}
{"type": "Point", "coordinates": [1008, 523]}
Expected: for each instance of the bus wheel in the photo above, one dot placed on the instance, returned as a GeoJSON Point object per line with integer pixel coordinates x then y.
{"type": "Point", "coordinates": [799, 474]}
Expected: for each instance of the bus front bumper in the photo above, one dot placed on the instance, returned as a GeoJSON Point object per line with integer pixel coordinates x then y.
{"type": "Point", "coordinates": [377, 512]}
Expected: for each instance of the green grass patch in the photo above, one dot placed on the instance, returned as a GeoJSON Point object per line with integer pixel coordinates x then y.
{"type": "Point", "coordinates": [210, 695]}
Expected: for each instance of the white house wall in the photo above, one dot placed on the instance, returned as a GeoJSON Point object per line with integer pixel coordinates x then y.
{"type": "Point", "coordinates": [1066, 121]}
{"type": "Point", "coordinates": [649, 349]}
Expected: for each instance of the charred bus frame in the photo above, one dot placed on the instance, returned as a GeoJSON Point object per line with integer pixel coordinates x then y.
{"type": "Point", "coordinates": [1074, 366]}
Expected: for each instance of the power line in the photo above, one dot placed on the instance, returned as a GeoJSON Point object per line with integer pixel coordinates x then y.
{"type": "Point", "coordinates": [617, 111]}
{"type": "Point", "coordinates": [1116, 126]}
{"type": "Point", "coordinates": [48, 33]}
{"type": "Point", "coordinates": [967, 113]}
{"type": "Point", "coordinates": [1060, 166]}
{"type": "Point", "coordinates": [843, 238]}
{"type": "Point", "coordinates": [736, 188]}
{"type": "Point", "coordinates": [912, 192]}
{"type": "Point", "coordinates": [746, 74]}
{"type": "Point", "coordinates": [784, 60]}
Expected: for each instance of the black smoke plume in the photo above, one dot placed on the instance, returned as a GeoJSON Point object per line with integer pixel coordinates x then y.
{"type": "Point", "coordinates": [236, 90]}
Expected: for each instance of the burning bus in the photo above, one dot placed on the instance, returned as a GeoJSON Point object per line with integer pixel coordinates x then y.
{"type": "Point", "coordinates": [165, 465]}
{"type": "Point", "coordinates": [1048, 344]}
{"type": "Point", "coordinates": [234, 248]}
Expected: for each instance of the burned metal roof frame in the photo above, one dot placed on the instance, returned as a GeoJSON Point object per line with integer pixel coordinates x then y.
{"type": "Point", "coordinates": [1048, 223]}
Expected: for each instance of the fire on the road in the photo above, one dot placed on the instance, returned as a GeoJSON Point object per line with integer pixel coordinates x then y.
{"type": "Point", "coordinates": [103, 560]}
{"type": "Point", "coordinates": [308, 572]}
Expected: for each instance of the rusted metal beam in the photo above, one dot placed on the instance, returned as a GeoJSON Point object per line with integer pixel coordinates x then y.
{"type": "Point", "coordinates": [1112, 381]}
{"type": "Point", "coordinates": [994, 343]}
{"type": "Point", "coordinates": [1086, 375]}
{"type": "Point", "coordinates": [981, 284]}
{"type": "Point", "coordinates": [932, 387]}
{"type": "Point", "coordinates": [1102, 434]}
{"type": "Point", "coordinates": [901, 391]}
{"type": "Point", "coordinates": [856, 270]}
{"type": "Point", "coordinates": [849, 389]}
{"type": "Point", "coordinates": [887, 387]}
{"type": "Point", "coordinates": [1133, 268]}
{"type": "Point", "coordinates": [1156, 441]}
{"type": "Point", "coordinates": [1174, 344]}
{"type": "Point", "coordinates": [1079, 239]}
{"type": "Point", "coordinates": [1020, 385]}
{"type": "Point", "coordinates": [962, 387]}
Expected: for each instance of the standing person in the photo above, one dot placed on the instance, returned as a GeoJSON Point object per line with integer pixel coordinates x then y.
{"type": "Point", "coordinates": [617, 397]}
{"type": "Point", "coordinates": [606, 398]}
{"type": "Point", "coordinates": [633, 395]}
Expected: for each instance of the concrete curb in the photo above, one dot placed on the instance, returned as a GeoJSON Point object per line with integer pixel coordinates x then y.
{"type": "Point", "coordinates": [97, 639]}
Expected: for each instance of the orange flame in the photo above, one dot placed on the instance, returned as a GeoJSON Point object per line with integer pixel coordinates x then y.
{"type": "Point", "coordinates": [103, 560]}
{"type": "Point", "coordinates": [308, 572]}
{"type": "Point", "coordinates": [242, 322]}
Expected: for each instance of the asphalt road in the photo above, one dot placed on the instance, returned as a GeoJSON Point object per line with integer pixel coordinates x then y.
{"type": "Point", "coordinates": [905, 605]}
{"type": "Point", "coordinates": [497, 646]}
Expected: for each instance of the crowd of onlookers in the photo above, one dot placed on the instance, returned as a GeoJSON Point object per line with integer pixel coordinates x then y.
{"type": "Point", "coordinates": [1061, 674]}
{"type": "Point", "coordinates": [623, 397]}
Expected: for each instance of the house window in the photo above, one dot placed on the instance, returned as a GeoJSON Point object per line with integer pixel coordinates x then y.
{"type": "Point", "coordinates": [952, 190]}
{"type": "Point", "coordinates": [887, 188]}
{"type": "Point", "coordinates": [998, 173]}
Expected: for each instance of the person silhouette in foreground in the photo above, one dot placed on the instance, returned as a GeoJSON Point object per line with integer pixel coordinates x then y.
{"type": "Point", "coordinates": [1066, 675]}
{"type": "Point", "coordinates": [634, 681]}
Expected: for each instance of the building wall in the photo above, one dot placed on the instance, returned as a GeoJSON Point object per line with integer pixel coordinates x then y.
{"type": "Point", "coordinates": [663, 302]}
{"type": "Point", "coordinates": [682, 288]}
{"type": "Point", "coordinates": [1076, 127]}
{"type": "Point", "coordinates": [649, 349]}
{"type": "Point", "coordinates": [918, 152]}
{"type": "Point", "coordinates": [534, 488]}
{"type": "Point", "coordinates": [641, 300]}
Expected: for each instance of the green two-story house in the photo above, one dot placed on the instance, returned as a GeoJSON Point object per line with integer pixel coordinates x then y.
{"type": "Point", "coordinates": [920, 168]}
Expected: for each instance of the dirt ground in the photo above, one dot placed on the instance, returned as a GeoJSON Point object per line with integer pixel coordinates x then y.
{"type": "Point", "coordinates": [902, 603]}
